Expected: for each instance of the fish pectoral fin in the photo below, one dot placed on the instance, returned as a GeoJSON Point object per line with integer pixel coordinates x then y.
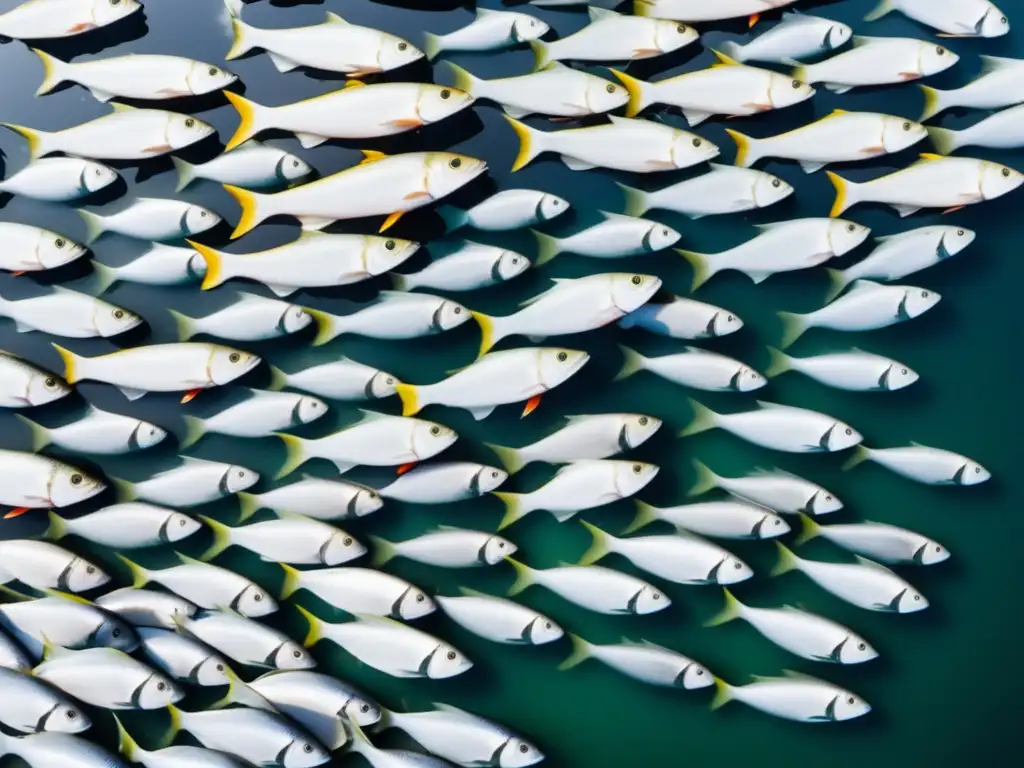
{"type": "Point", "coordinates": [282, 290]}
{"type": "Point", "coordinates": [101, 95]}
{"type": "Point", "coordinates": [907, 76]}
{"type": "Point", "coordinates": [158, 149]}
{"type": "Point", "coordinates": [695, 117]}
{"type": "Point", "coordinates": [131, 393]}
{"type": "Point", "coordinates": [481, 413]}
{"type": "Point", "coordinates": [878, 149]}
{"type": "Point", "coordinates": [21, 327]}
{"type": "Point", "coordinates": [954, 209]}
{"type": "Point", "coordinates": [812, 167]}
{"type": "Point", "coordinates": [283, 64]}
{"type": "Point", "coordinates": [838, 87]}
{"type": "Point", "coordinates": [390, 221]}
{"type": "Point", "coordinates": [644, 53]}
{"type": "Point", "coordinates": [83, 26]}
{"type": "Point", "coordinates": [419, 194]}
{"type": "Point", "coordinates": [577, 165]}
{"type": "Point", "coordinates": [406, 122]}
{"type": "Point", "coordinates": [531, 405]}
{"type": "Point", "coordinates": [189, 396]}
{"type": "Point", "coordinates": [516, 112]}
{"type": "Point", "coordinates": [906, 210]}
{"type": "Point", "coordinates": [314, 222]}
{"type": "Point", "coordinates": [17, 512]}
{"type": "Point", "coordinates": [310, 140]}
{"type": "Point", "coordinates": [343, 466]}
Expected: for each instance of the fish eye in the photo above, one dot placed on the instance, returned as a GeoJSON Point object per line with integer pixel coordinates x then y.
{"type": "Point", "coordinates": [637, 468]}
{"type": "Point", "coordinates": [681, 29]}
{"type": "Point", "coordinates": [778, 521]}
{"type": "Point", "coordinates": [850, 227]}
{"type": "Point", "coordinates": [917, 597]}
{"type": "Point", "coordinates": [862, 646]}
{"type": "Point", "coordinates": [161, 686]}
{"type": "Point", "coordinates": [1006, 172]}
{"type": "Point", "coordinates": [402, 46]}
{"type": "Point", "coordinates": [730, 318]}
{"type": "Point", "coordinates": [458, 310]}
{"type": "Point", "coordinates": [523, 748]}
{"type": "Point", "coordinates": [202, 213]}
{"type": "Point", "coordinates": [664, 232]}
{"type": "Point", "coordinates": [940, 50]}
{"type": "Point", "coordinates": [347, 541]}
{"type": "Point", "coordinates": [501, 545]}
{"type": "Point", "coordinates": [828, 498]}
{"type": "Point", "coordinates": [234, 357]}
{"type": "Point", "coordinates": [220, 667]}
{"type": "Point", "coordinates": [118, 313]}
{"type": "Point", "coordinates": [190, 122]}
{"type": "Point", "coordinates": [610, 88]}
{"type": "Point", "coordinates": [445, 93]}
{"type": "Point", "coordinates": [696, 142]}
{"type": "Point", "coordinates": [389, 380]}
{"type": "Point", "coordinates": [257, 597]}
{"type": "Point", "coordinates": [241, 473]}
{"type": "Point", "coordinates": [364, 708]}
{"type": "Point", "coordinates": [850, 700]}
{"type": "Point", "coordinates": [452, 655]}
{"type": "Point", "coordinates": [904, 371]}
{"type": "Point", "coordinates": [738, 565]}
{"type": "Point", "coordinates": [700, 672]}
{"type": "Point", "coordinates": [50, 383]}
{"type": "Point", "coordinates": [213, 71]}
{"type": "Point", "coordinates": [455, 162]}
{"type": "Point", "coordinates": [1003, 20]}
{"type": "Point", "coordinates": [372, 495]}
{"type": "Point", "coordinates": [98, 172]}
{"type": "Point", "coordinates": [59, 242]}
{"type": "Point", "coordinates": [307, 748]}
{"type": "Point", "coordinates": [924, 294]}
{"type": "Point", "coordinates": [296, 653]}
{"type": "Point", "coordinates": [656, 596]}
{"type": "Point", "coordinates": [643, 421]}
{"type": "Point", "coordinates": [849, 431]}
{"type": "Point", "coordinates": [938, 548]}
{"type": "Point", "coordinates": [71, 714]}
{"type": "Point", "coordinates": [494, 474]}
{"type": "Point", "coordinates": [115, 2]}
{"type": "Point", "coordinates": [562, 357]}
{"type": "Point", "coordinates": [977, 470]}
{"type": "Point", "coordinates": [960, 233]}
{"type": "Point", "coordinates": [637, 280]}
{"type": "Point", "coordinates": [77, 479]}
{"type": "Point", "coordinates": [295, 163]}
{"type": "Point", "coordinates": [90, 569]}
{"type": "Point", "coordinates": [797, 83]}
{"type": "Point", "coordinates": [420, 597]}
{"type": "Point", "coordinates": [390, 245]}
{"type": "Point", "coordinates": [115, 632]}
{"type": "Point", "coordinates": [515, 260]}
{"type": "Point", "coordinates": [435, 430]}
{"type": "Point", "coordinates": [547, 625]}
{"type": "Point", "coordinates": [777, 183]}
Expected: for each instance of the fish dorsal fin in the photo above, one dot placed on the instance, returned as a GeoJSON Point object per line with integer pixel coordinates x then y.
{"type": "Point", "coordinates": [186, 560]}
{"type": "Point", "coordinates": [836, 113]}
{"type": "Point", "coordinates": [333, 18]}
{"type": "Point", "coordinates": [310, 234]}
{"type": "Point", "coordinates": [470, 592]}
{"type": "Point", "coordinates": [566, 564]}
{"type": "Point", "coordinates": [652, 646]}
{"type": "Point", "coordinates": [578, 417]}
{"type": "Point", "coordinates": [597, 14]}
{"type": "Point", "coordinates": [380, 621]}
{"type": "Point", "coordinates": [484, 12]}
{"type": "Point", "coordinates": [793, 609]}
{"type": "Point", "coordinates": [859, 41]}
{"type": "Point", "coordinates": [723, 60]}
{"type": "Point", "coordinates": [67, 596]}
{"type": "Point", "coordinates": [121, 107]}
{"type": "Point", "coordinates": [354, 84]}
{"type": "Point", "coordinates": [792, 674]}
{"type": "Point", "coordinates": [929, 156]}
{"type": "Point", "coordinates": [764, 404]}
{"type": "Point", "coordinates": [765, 678]}
{"type": "Point", "coordinates": [772, 225]}
{"type": "Point", "coordinates": [553, 66]}
{"type": "Point", "coordinates": [444, 527]}
{"type": "Point", "coordinates": [872, 564]}
{"type": "Point", "coordinates": [993, 63]}
{"type": "Point", "coordinates": [367, 415]}
{"type": "Point", "coordinates": [917, 444]}
{"type": "Point", "coordinates": [609, 216]}
{"type": "Point", "coordinates": [456, 712]}
{"type": "Point", "coordinates": [371, 156]}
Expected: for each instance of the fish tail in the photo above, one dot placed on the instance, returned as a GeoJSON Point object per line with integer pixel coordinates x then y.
{"type": "Point", "coordinates": [383, 551]}
{"type": "Point", "coordinates": [431, 45]}
{"type": "Point", "coordinates": [214, 265]}
{"type": "Point", "coordinates": [240, 693]}
{"type": "Point", "coordinates": [252, 117]}
{"type": "Point", "coordinates": [186, 173]}
{"type": "Point", "coordinates": [600, 547]}
{"type": "Point", "coordinates": [387, 720]}
{"type": "Point", "coordinates": [541, 54]}
{"type": "Point", "coordinates": [524, 577]}
{"type": "Point", "coordinates": [733, 610]}
{"type": "Point", "coordinates": [174, 727]}
{"type": "Point", "coordinates": [195, 428]}
{"type": "Point", "coordinates": [185, 326]}
{"type": "Point", "coordinates": [140, 576]}
{"type": "Point", "coordinates": [643, 8]}
{"type": "Point", "coordinates": [703, 420]}
{"type": "Point", "coordinates": [810, 531]}
{"type": "Point", "coordinates": [240, 31]}
{"type": "Point", "coordinates": [278, 379]}
{"type": "Point", "coordinates": [36, 139]}
{"type": "Point", "coordinates": [837, 280]}
{"type": "Point", "coordinates": [292, 581]}
{"type": "Point", "coordinates": [547, 247]}
{"type": "Point", "coordinates": [95, 225]}
{"type": "Point", "coordinates": [123, 489]}
{"type": "Point", "coordinates": [645, 515]}
{"type": "Point", "coordinates": [706, 479]}
{"type": "Point", "coordinates": [702, 269]}
{"type": "Point", "coordinates": [100, 280]}
{"type": "Point", "coordinates": [529, 143]}
{"type": "Point", "coordinates": [464, 80]}
{"type": "Point", "coordinates": [636, 201]}
{"type": "Point", "coordinates": [633, 362]}
{"type": "Point", "coordinates": [510, 458]}
{"type": "Point", "coordinates": [326, 324]}
{"type": "Point", "coordinates": [316, 627]}
{"type": "Point", "coordinates": [846, 194]}
{"type": "Point", "coordinates": [410, 397]}
{"type": "Point", "coordinates": [58, 527]}
{"type": "Point", "coordinates": [859, 456]}
{"type": "Point", "coordinates": [780, 363]}
{"type": "Point", "coordinates": [489, 334]}
{"type": "Point", "coordinates": [638, 99]}
{"type": "Point", "coordinates": [514, 507]}
{"type": "Point", "coordinates": [944, 140]}
{"type": "Point", "coordinates": [453, 218]}
{"type": "Point", "coordinates": [253, 209]}
{"type": "Point", "coordinates": [723, 694]}
{"type": "Point", "coordinates": [883, 8]}
{"type": "Point", "coordinates": [746, 153]}
{"type": "Point", "coordinates": [71, 363]}
{"type": "Point", "coordinates": [793, 327]}
{"type": "Point", "coordinates": [933, 102]}
{"type": "Point", "coordinates": [54, 71]}
{"type": "Point", "coordinates": [400, 282]}
{"type": "Point", "coordinates": [40, 434]}
{"type": "Point", "coordinates": [248, 505]}
{"type": "Point", "coordinates": [126, 745]}
{"type": "Point", "coordinates": [295, 454]}
{"type": "Point", "coordinates": [787, 560]}
{"type": "Point", "coordinates": [221, 538]}
{"type": "Point", "coordinates": [734, 51]}
{"type": "Point", "coordinates": [580, 653]}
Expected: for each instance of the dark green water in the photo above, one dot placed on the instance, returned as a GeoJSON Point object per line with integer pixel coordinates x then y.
{"type": "Point", "coordinates": [944, 690]}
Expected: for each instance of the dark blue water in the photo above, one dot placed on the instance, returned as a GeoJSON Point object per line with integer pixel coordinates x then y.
{"type": "Point", "coordinates": [945, 689]}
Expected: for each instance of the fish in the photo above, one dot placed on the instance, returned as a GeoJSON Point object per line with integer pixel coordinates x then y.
{"type": "Point", "coordinates": [145, 77]}
{"type": "Point", "coordinates": [69, 314]}
{"type": "Point", "coordinates": [61, 19]}
{"type": "Point", "coordinates": [683, 558]}
{"type": "Point", "coordinates": [444, 482]}
{"type": "Point", "coordinates": [867, 306]}
{"type": "Point", "coordinates": [467, 266]}
{"type": "Point", "coordinates": [499, 620]}
{"type": "Point", "coordinates": [334, 45]}
{"type": "Point", "coordinates": [933, 181]}
{"type": "Point", "coordinates": [360, 591]}
{"type": "Point", "coordinates": [683, 318]}
{"type": "Point", "coordinates": [66, 749]}
{"type": "Point", "coordinates": [67, 619]}
{"type": "Point", "coordinates": [585, 436]}
{"type": "Point", "coordinates": [251, 166]}
{"type": "Point", "coordinates": [390, 647]}
{"type": "Point", "coordinates": [107, 678]}
{"type": "Point", "coordinates": [726, 88]}
{"type": "Point", "coordinates": [998, 86]}
{"type": "Point", "coordinates": [29, 481]}
{"type": "Point", "coordinates": [838, 137]}
{"type": "Point", "coordinates": [160, 264]}
{"type": "Point", "coordinates": [854, 371]}
{"type": "Point", "coordinates": [380, 185]}
{"type": "Point", "coordinates": [699, 10]}
{"type": "Point", "coordinates": [878, 61]}
{"type": "Point", "coordinates": [246, 641]}
{"type": "Point", "coordinates": [97, 432]}
{"type": "Point", "coordinates": [33, 249]}
{"type": "Point", "coordinates": [125, 526]}
{"type": "Point", "coordinates": [803, 634]}
{"type": "Point", "coordinates": [555, 90]}
{"type": "Point", "coordinates": [579, 486]}
{"type": "Point", "coordinates": [340, 379]}
{"type": "Point", "coordinates": [879, 541]}
{"type": "Point", "coordinates": [191, 483]}
{"type": "Point", "coordinates": [183, 658]}
{"type": "Point", "coordinates": [931, 466]}
{"type": "Point", "coordinates": [725, 189]}
{"type": "Point", "coordinates": [207, 586]}
{"type": "Point", "coordinates": [447, 547]}
{"type": "Point", "coordinates": [314, 497]}
{"type": "Point", "coordinates": [903, 254]}
{"type": "Point", "coordinates": [147, 607]}
{"type": "Point", "coordinates": [463, 738]}
{"type": "Point", "coordinates": [506, 210]}
{"type": "Point", "coordinates": [376, 440]}
{"type": "Point", "coordinates": [621, 144]}
{"type": "Point", "coordinates": [784, 246]}
{"type": "Point", "coordinates": [727, 519]}
{"type": "Point", "coordinates": [357, 111]}
{"type": "Point", "coordinates": [253, 735]}
{"type": "Point", "coordinates": [960, 18]}
{"type": "Point", "coordinates": [395, 315]}
{"type": "Point", "coordinates": [778, 427]}
{"type": "Point", "coordinates": [127, 133]}
{"type": "Point", "coordinates": [160, 367]}
{"type": "Point", "coordinates": [998, 131]}
{"type": "Point", "coordinates": [313, 260]}
{"type": "Point", "coordinates": [59, 179]}
{"type": "Point", "coordinates": [289, 539]}
{"type": "Point", "coordinates": [794, 697]}
{"type": "Point", "coordinates": [694, 367]}
{"type": "Point", "coordinates": [643, 661]}
{"type": "Point", "coordinates": [772, 488]}
{"type": "Point", "coordinates": [495, 379]}
{"type": "Point", "coordinates": [172, 757]}
{"type": "Point", "coordinates": [615, 237]}
{"type": "Point", "coordinates": [26, 385]}
{"type": "Point", "coordinates": [593, 587]}
{"type": "Point", "coordinates": [390, 758]}
{"type": "Point", "coordinates": [865, 584]}
{"type": "Point", "coordinates": [12, 655]}
{"type": "Point", "coordinates": [151, 218]}
{"type": "Point", "coordinates": [490, 31]}
{"type": "Point", "coordinates": [30, 706]}
{"type": "Point", "coordinates": [247, 318]}
{"type": "Point", "coordinates": [612, 36]}
{"type": "Point", "coordinates": [260, 414]}
{"type": "Point", "coordinates": [798, 36]}
{"type": "Point", "coordinates": [570, 306]}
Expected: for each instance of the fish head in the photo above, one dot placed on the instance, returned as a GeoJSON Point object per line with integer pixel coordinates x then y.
{"type": "Point", "coordinates": [157, 692]}
{"type": "Point", "coordinates": [543, 630]}
{"type": "Point", "coordinates": [291, 655]}
{"type": "Point", "coordinates": [723, 323]}
{"type": "Point", "coordinates": [660, 237]}
{"type": "Point", "coordinates": [972, 473]}
{"type": "Point", "coordinates": [115, 633]}
{"type": "Point", "coordinates": [69, 485]}
{"type": "Point", "coordinates": [688, 149]}
{"type": "Point", "coordinates": [837, 36]}
{"type": "Point", "coordinates": [994, 23]}
{"type": "Point", "coordinates": [784, 91]}
{"type": "Point", "coordinates": [381, 384]}
{"type": "Point", "coordinates": [413, 604]}
{"type": "Point", "coordinates": [487, 479]}
{"type": "Point", "coordinates": [382, 254]}
{"type": "Point", "coordinates": [496, 549]}
{"type": "Point", "coordinates": [211, 671]}
{"type": "Point", "coordinates": [178, 527]}
{"type": "Point", "coordinates": [636, 429]}
{"type": "Point", "coordinates": [898, 133]}
{"type": "Point", "coordinates": [732, 570]}
{"type": "Point", "coordinates": [518, 753]}
{"type": "Point", "coordinates": [633, 476]}
{"type": "Point", "coordinates": [447, 172]}
{"type": "Point", "coordinates": [55, 250]}
{"type": "Point", "coordinates": [551, 206]}
{"type": "Point", "coordinates": [769, 189]}
{"type": "Point", "coordinates": [106, 12]}
{"type": "Point", "coordinates": [630, 292]}
{"type": "Point", "coordinates": [932, 59]}
{"type": "Point", "coordinates": [308, 409]}
{"type": "Point", "coordinates": [446, 662]}
{"type": "Point", "coordinates": [207, 78]}
{"type": "Point", "coordinates": [908, 601]}
{"type": "Point", "coordinates": [844, 236]}
{"type": "Point", "coordinates": [747, 379]}
{"type": "Point", "coordinates": [303, 752]}
{"type": "Point", "coordinates": [997, 180]}
{"type": "Point", "coordinates": [952, 240]}
{"type": "Point", "coordinates": [822, 502]}
{"type": "Point", "coordinates": [237, 478]}
{"type": "Point", "coordinates": [64, 718]}
{"type": "Point", "coordinates": [227, 364]}
{"type": "Point", "coordinates": [434, 103]}
{"type": "Point", "coordinates": [603, 95]}
{"type": "Point", "coordinates": [448, 315]}
{"type": "Point", "coordinates": [366, 501]}
{"type": "Point", "coordinates": [185, 130]}
{"type": "Point", "coordinates": [394, 52]}
{"type": "Point", "coordinates": [854, 650]}
{"type": "Point", "coordinates": [847, 706]}
{"type": "Point", "coordinates": [930, 553]}
{"type": "Point", "coordinates": [293, 319]}
{"type": "Point", "coordinates": [43, 387]}
{"type": "Point", "coordinates": [292, 168]}
{"type": "Point", "coordinates": [649, 600]}
{"type": "Point", "coordinates": [145, 435]}
{"type": "Point", "coordinates": [508, 265]}
{"type": "Point", "coordinates": [526, 28]}
{"type": "Point", "coordinates": [198, 219]}
{"type": "Point", "coordinates": [840, 436]}
{"type": "Point", "coordinates": [430, 438]}
{"type": "Point", "coordinates": [917, 301]}
{"type": "Point", "coordinates": [111, 321]}
{"type": "Point", "coordinates": [694, 676]}
{"type": "Point", "coordinates": [360, 711]}
{"type": "Point", "coordinates": [557, 365]}
{"type": "Point", "coordinates": [673, 35]}
{"type": "Point", "coordinates": [898, 376]}
{"type": "Point", "coordinates": [254, 602]}
{"type": "Point", "coordinates": [195, 267]}
{"type": "Point", "coordinates": [341, 548]}
{"type": "Point", "coordinates": [96, 176]}
{"type": "Point", "coordinates": [771, 526]}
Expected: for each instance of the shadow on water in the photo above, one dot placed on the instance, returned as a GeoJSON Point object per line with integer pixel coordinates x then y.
{"type": "Point", "coordinates": [130, 28]}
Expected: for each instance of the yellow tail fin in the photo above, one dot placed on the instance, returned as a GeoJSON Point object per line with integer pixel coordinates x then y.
{"type": "Point", "coordinates": [31, 135]}
{"type": "Point", "coordinates": [486, 323]}
{"type": "Point", "coordinates": [250, 205]}
{"type": "Point", "coordinates": [214, 265]}
{"type": "Point", "coordinates": [842, 192]}
{"type": "Point", "coordinates": [410, 399]}
{"type": "Point", "coordinates": [525, 134]}
{"type": "Point", "coordinates": [635, 89]}
{"type": "Point", "coordinates": [70, 363]}
{"type": "Point", "coordinates": [247, 113]}
{"type": "Point", "coordinates": [742, 148]}
{"type": "Point", "coordinates": [51, 72]}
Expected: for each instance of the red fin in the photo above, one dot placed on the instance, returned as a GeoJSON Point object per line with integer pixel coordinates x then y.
{"type": "Point", "coordinates": [189, 396]}
{"type": "Point", "coordinates": [531, 406]}
{"type": "Point", "coordinates": [639, 52]}
{"type": "Point", "coordinates": [909, 76]}
{"type": "Point", "coordinates": [879, 150]}
{"type": "Point", "coordinates": [416, 195]}
{"type": "Point", "coordinates": [753, 20]}
{"type": "Point", "coordinates": [159, 148]}
{"type": "Point", "coordinates": [405, 468]}
{"type": "Point", "coordinates": [17, 512]}
{"type": "Point", "coordinates": [953, 209]}
{"type": "Point", "coordinates": [407, 122]}
{"type": "Point", "coordinates": [19, 273]}
{"type": "Point", "coordinates": [83, 26]}
{"type": "Point", "coordinates": [390, 221]}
